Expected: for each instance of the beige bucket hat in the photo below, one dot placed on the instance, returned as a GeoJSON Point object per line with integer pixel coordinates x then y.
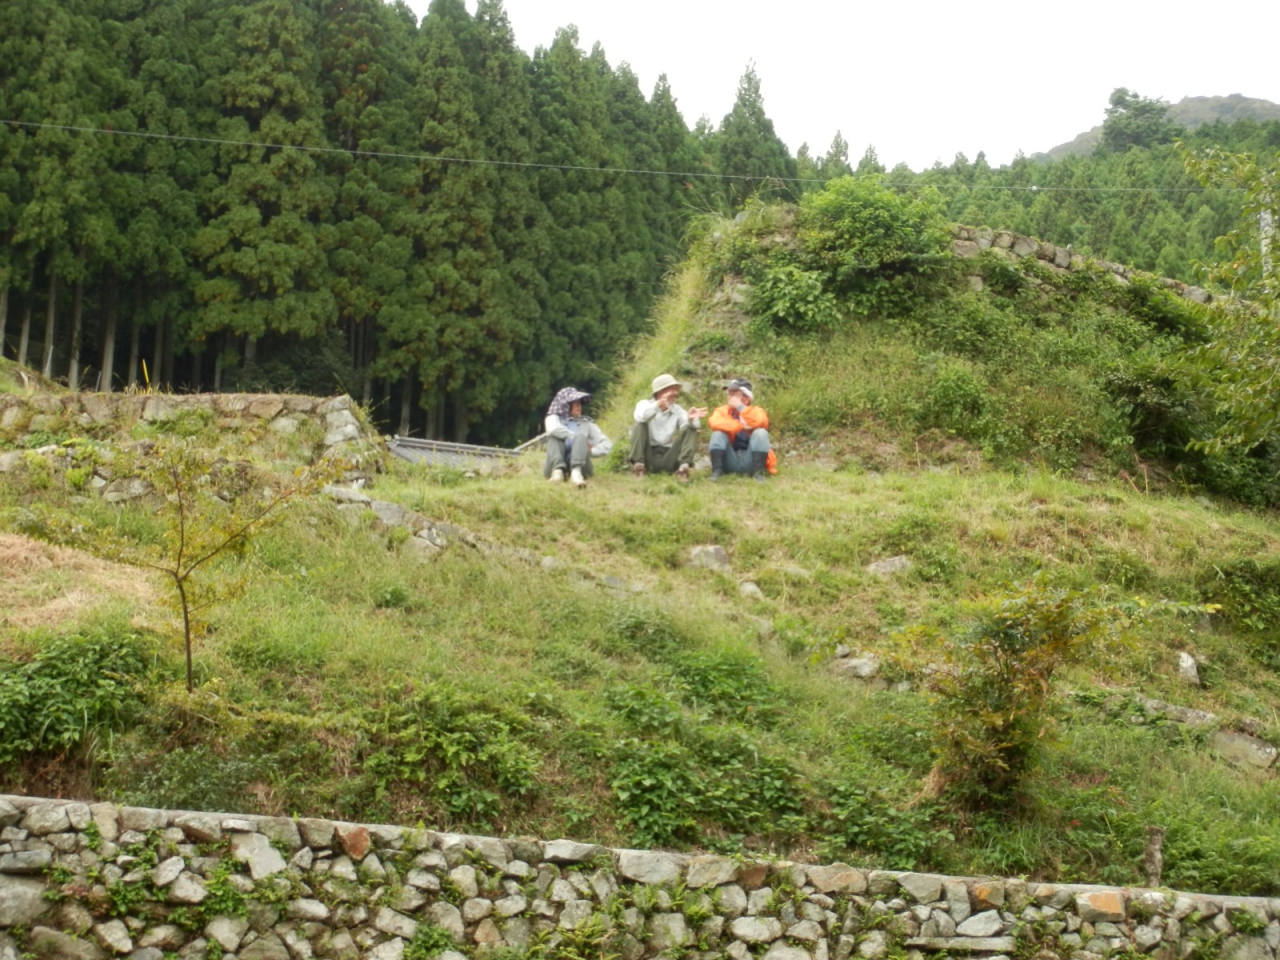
{"type": "Point", "coordinates": [662, 381]}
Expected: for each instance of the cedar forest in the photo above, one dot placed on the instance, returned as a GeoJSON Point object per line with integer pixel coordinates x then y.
{"type": "Point", "coordinates": [272, 208]}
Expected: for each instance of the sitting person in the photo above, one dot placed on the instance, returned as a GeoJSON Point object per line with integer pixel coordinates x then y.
{"type": "Point", "coordinates": [664, 438]}
{"type": "Point", "coordinates": [572, 439]}
{"type": "Point", "coordinates": [740, 435]}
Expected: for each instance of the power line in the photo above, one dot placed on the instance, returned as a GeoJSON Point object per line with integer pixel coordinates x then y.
{"type": "Point", "coordinates": [439, 158]}
{"type": "Point", "coordinates": [397, 156]}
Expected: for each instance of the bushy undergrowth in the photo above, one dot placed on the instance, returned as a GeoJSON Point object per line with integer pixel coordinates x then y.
{"type": "Point", "coordinates": [73, 686]}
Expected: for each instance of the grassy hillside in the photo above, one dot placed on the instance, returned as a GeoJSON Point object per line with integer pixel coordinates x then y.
{"type": "Point", "coordinates": [617, 692]}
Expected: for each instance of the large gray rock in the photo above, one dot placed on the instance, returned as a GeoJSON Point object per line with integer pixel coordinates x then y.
{"type": "Point", "coordinates": [889, 566]}
{"type": "Point", "coordinates": [1247, 948]}
{"type": "Point", "coordinates": [395, 924]}
{"type": "Point", "coordinates": [985, 924]}
{"type": "Point", "coordinates": [710, 871]}
{"type": "Point", "coordinates": [838, 878]}
{"type": "Point", "coordinates": [282, 830]}
{"type": "Point", "coordinates": [167, 871]}
{"type": "Point", "coordinates": [187, 889]}
{"type": "Point", "coordinates": [114, 936]}
{"type": "Point", "coordinates": [26, 861]}
{"type": "Point", "coordinates": [54, 943]}
{"type": "Point", "coordinates": [9, 814]}
{"type": "Point", "coordinates": [446, 915]}
{"type": "Point", "coordinates": [267, 947]}
{"type": "Point", "coordinates": [200, 828]}
{"type": "Point", "coordinates": [125, 488]}
{"type": "Point", "coordinates": [263, 859]}
{"type": "Point", "coordinates": [306, 909]}
{"type": "Point", "coordinates": [393, 949]}
{"type": "Point", "coordinates": [1243, 750]}
{"type": "Point", "coordinates": [46, 818]}
{"type": "Point", "coordinates": [756, 929]}
{"type": "Point", "coordinates": [667, 931]}
{"type": "Point", "coordinates": [783, 951]}
{"type": "Point", "coordinates": [923, 887]}
{"type": "Point", "coordinates": [1188, 669]}
{"type": "Point", "coordinates": [644, 866]}
{"type": "Point", "coordinates": [227, 932]}
{"type": "Point", "coordinates": [710, 556]}
{"type": "Point", "coordinates": [22, 901]}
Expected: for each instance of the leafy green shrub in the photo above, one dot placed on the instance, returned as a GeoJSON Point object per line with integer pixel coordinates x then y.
{"type": "Point", "coordinates": [1247, 590]}
{"type": "Point", "coordinates": [394, 596]}
{"type": "Point", "coordinates": [647, 710]}
{"type": "Point", "coordinates": [197, 777]}
{"type": "Point", "coordinates": [878, 248]}
{"type": "Point", "coordinates": [71, 686]}
{"type": "Point", "coordinates": [862, 819]}
{"type": "Point", "coordinates": [790, 298]}
{"type": "Point", "coordinates": [462, 753]}
{"type": "Point", "coordinates": [656, 786]}
{"type": "Point", "coordinates": [954, 398]}
{"type": "Point", "coordinates": [731, 686]}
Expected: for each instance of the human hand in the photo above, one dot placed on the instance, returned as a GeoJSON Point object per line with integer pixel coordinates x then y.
{"type": "Point", "coordinates": [697, 413]}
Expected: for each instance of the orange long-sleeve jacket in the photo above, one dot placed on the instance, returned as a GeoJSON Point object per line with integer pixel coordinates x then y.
{"type": "Point", "coordinates": [751, 417]}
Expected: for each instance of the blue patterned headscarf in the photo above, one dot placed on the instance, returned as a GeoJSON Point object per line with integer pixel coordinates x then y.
{"type": "Point", "coordinates": [564, 400]}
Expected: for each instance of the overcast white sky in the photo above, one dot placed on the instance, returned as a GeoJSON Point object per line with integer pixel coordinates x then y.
{"type": "Point", "coordinates": [922, 81]}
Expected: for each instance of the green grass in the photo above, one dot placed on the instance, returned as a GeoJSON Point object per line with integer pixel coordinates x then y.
{"type": "Point", "coordinates": [481, 692]}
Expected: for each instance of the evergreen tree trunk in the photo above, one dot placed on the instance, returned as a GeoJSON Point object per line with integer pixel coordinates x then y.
{"type": "Point", "coordinates": [135, 332]}
{"type": "Point", "coordinates": [24, 336]}
{"type": "Point", "coordinates": [4, 316]}
{"type": "Point", "coordinates": [406, 406]}
{"type": "Point", "coordinates": [459, 419]}
{"type": "Point", "coordinates": [169, 378]}
{"type": "Point", "coordinates": [46, 367]}
{"type": "Point", "coordinates": [108, 336]}
{"type": "Point", "coordinates": [223, 347]}
{"type": "Point", "coordinates": [435, 416]}
{"type": "Point", "coordinates": [154, 377]}
{"type": "Point", "coordinates": [77, 332]}
{"type": "Point", "coordinates": [250, 350]}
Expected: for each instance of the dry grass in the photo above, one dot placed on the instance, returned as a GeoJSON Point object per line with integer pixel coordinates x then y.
{"type": "Point", "coordinates": [49, 586]}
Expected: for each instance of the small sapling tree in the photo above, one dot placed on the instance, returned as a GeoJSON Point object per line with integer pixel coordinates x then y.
{"type": "Point", "coordinates": [991, 682]}
{"type": "Point", "coordinates": [209, 509]}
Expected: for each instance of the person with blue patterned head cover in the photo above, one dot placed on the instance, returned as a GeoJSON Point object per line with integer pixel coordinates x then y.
{"type": "Point", "coordinates": [572, 439]}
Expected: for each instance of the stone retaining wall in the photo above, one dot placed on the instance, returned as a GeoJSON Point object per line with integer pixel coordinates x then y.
{"type": "Point", "coordinates": [88, 882]}
{"type": "Point", "coordinates": [333, 424]}
{"type": "Point", "coordinates": [970, 242]}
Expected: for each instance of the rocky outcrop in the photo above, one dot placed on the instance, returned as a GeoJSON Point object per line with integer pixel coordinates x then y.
{"type": "Point", "coordinates": [101, 881]}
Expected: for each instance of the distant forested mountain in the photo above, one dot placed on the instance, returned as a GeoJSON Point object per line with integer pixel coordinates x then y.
{"type": "Point", "coordinates": [1190, 112]}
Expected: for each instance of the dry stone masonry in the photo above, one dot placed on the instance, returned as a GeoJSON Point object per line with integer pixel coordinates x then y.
{"type": "Point", "coordinates": [95, 881]}
{"type": "Point", "coordinates": [334, 421]}
{"type": "Point", "coordinates": [968, 242]}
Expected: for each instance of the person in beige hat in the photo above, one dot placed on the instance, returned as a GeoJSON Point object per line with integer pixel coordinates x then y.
{"type": "Point", "coordinates": [664, 438]}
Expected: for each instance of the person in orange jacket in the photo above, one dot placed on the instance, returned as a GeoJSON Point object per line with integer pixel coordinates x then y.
{"type": "Point", "coordinates": [740, 435]}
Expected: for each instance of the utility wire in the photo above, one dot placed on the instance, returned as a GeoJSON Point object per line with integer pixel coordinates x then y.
{"type": "Point", "coordinates": [438, 158]}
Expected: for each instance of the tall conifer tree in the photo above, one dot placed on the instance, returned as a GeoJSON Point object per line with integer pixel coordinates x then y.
{"type": "Point", "coordinates": [264, 249]}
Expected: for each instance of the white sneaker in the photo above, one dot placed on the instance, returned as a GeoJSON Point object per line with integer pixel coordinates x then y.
{"type": "Point", "coordinates": [557, 475]}
{"type": "Point", "coordinates": [578, 479]}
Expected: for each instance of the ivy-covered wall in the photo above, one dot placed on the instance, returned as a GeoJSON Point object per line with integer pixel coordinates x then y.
{"type": "Point", "coordinates": [94, 881]}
